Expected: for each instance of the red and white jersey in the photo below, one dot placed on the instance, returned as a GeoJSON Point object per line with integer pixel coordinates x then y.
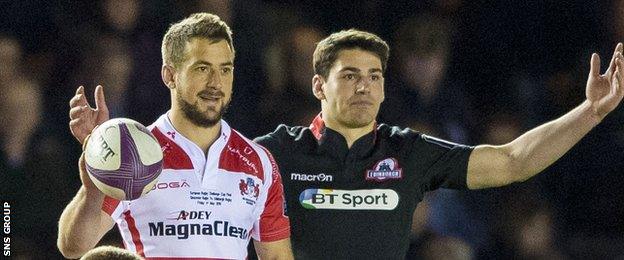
{"type": "Point", "coordinates": [204, 207]}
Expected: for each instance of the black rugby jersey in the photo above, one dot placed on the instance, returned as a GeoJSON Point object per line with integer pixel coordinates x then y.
{"type": "Point", "coordinates": [357, 203]}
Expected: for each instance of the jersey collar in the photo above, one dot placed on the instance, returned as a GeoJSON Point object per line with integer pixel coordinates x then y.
{"type": "Point", "coordinates": [332, 142]}
{"type": "Point", "coordinates": [195, 153]}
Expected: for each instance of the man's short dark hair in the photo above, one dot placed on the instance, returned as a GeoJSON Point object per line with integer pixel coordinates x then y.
{"type": "Point", "coordinates": [327, 50]}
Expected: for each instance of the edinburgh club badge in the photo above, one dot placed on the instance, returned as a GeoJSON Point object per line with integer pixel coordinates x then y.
{"type": "Point", "coordinates": [384, 170]}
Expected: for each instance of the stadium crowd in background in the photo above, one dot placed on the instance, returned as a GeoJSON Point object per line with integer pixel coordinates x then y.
{"type": "Point", "coordinates": [465, 71]}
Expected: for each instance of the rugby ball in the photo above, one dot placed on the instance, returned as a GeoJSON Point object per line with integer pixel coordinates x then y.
{"type": "Point", "coordinates": [123, 159]}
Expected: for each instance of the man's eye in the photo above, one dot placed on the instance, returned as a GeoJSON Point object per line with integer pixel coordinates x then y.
{"type": "Point", "coordinates": [202, 68]}
{"type": "Point", "coordinates": [350, 76]}
{"type": "Point", "coordinates": [226, 70]}
{"type": "Point", "coordinates": [375, 77]}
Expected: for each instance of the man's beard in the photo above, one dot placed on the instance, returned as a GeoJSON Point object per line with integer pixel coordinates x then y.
{"type": "Point", "coordinates": [197, 117]}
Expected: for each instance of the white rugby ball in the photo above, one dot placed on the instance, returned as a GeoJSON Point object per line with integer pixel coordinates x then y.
{"type": "Point", "coordinates": [123, 159]}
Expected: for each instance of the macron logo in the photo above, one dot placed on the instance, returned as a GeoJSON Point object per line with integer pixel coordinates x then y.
{"type": "Point", "coordinates": [321, 177]}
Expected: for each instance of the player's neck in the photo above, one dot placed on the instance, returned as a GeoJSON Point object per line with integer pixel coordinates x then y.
{"type": "Point", "coordinates": [201, 136]}
{"type": "Point", "coordinates": [350, 134]}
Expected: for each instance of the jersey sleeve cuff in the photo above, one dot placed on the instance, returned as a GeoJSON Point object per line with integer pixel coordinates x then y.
{"type": "Point", "coordinates": [110, 205]}
{"type": "Point", "coordinates": [275, 235]}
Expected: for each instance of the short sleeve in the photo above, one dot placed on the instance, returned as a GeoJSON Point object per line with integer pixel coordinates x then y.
{"type": "Point", "coordinates": [273, 224]}
{"type": "Point", "coordinates": [446, 163]}
{"type": "Point", "coordinates": [113, 207]}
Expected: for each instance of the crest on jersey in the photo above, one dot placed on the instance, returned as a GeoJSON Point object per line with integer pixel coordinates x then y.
{"type": "Point", "coordinates": [248, 188]}
{"type": "Point", "coordinates": [385, 169]}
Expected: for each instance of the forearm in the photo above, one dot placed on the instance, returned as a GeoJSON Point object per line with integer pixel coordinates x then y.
{"type": "Point", "coordinates": [276, 250]}
{"type": "Point", "coordinates": [80, 223]}
{"type": "Point", "coordinates": [532, 152]}
{"type": "Point", "coordinates": [535, 150]}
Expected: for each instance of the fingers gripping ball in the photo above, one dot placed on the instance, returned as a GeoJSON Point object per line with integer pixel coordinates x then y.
{"type": "Point", "coordinates": [123, 159]}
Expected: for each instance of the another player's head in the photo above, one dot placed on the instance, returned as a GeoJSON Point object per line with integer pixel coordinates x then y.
{"type": "Point", "coordinates": [110, 252]}
{"type": "Point", "coordinates": [198, 64]}
{"type": "Point", "coordinates": [349, 67]}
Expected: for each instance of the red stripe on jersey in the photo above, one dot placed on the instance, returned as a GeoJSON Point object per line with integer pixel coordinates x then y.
{"type": "Point", "coordinates": [109, 205]}
{"type": "Point", "coordinates": [239, 156]}
{"type": "Point", "coordinates": [274, 224]}
{"type": "Point", "coordinates": [134, 232]}
{"type": "Point", "coordinates": [317, 126]}
{"type": "Point", "coordinates": [174, 157]}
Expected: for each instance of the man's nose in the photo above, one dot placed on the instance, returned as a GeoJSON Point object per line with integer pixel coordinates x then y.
{"type": "Point", "coordinates": [215, 78]}
{"type": "Point", "coordinates": [364, 85]}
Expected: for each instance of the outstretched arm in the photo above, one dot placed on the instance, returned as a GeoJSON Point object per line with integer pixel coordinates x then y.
{"type": "Point", "coordinates": [532, 152]}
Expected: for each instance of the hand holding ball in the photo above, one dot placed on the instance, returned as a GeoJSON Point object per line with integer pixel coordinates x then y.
{"type": "Point", "coordinates": [123, 159]}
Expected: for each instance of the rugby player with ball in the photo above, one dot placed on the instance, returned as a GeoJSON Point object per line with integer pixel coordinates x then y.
{"type": "Point", "coordinates": [230, 189]}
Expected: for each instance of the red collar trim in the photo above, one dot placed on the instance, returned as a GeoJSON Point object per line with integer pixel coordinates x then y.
{"type": "Point", "coordinates": [317, 126]}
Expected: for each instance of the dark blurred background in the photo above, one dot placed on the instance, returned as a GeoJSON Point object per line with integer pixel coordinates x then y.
{"type": "Point", "coordinates": [468, 71]}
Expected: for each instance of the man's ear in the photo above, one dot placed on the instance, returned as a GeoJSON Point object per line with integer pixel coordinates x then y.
{"type": "Point", "coordinates": [317, 87]}
{"type": "Point", "coordinates": [168, 76]}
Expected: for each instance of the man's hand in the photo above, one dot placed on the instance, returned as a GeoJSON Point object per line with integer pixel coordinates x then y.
{"type": "Point", "coordinates": [532, 152]}
{"type": "Point", "coordinates": [83, 118]}
{"type": "Point", "coordinates": [83, 223]}
{"type": "Point", "coordinates": [605, 91]}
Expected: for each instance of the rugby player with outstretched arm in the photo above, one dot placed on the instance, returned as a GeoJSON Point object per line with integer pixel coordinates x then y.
{"type": "Point", "coordinates": [352, 183]}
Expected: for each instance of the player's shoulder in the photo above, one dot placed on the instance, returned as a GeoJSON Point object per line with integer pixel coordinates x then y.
{"type": "Point", "coordinates": [407, 137]}
{"type": "Point", "coordinates": [158, 126]}
{"type": "Point", "coordinates": [397, 134]}
{"type": "Point", "coordinates": [400, 134]}
{"type": "Point", "coordinates": [245, 147]}
{"type": "Point", "coordinates": [283, 132]}
{"type": "Point", "coordinates": [285, 136]}
{"type": "Point", "coordinates": [240, 141]}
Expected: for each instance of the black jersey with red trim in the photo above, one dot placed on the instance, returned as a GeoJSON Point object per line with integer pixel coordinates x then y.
{"type": "Point", "coordinates": [357, 203]}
